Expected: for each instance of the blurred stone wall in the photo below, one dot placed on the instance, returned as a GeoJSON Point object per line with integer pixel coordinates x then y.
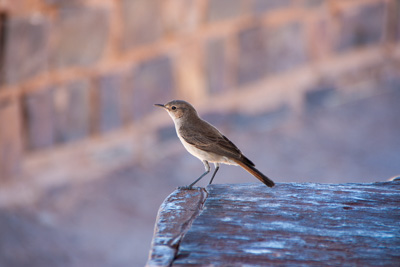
{"type": "Point", "coordinates": [74, 70]}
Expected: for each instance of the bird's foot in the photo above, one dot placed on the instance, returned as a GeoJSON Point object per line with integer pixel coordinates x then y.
{"type": "Point", "coordinates": [186, 187]}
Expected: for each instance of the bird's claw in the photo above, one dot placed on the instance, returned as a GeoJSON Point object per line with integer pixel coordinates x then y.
{"type": "Point", "coordinates": [185, 187]}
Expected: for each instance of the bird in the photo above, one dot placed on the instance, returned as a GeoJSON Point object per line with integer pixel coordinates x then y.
{"type": "Point", "coordinates": [206, 142]}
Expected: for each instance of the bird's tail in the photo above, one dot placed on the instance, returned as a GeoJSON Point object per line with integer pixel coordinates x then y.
{"type": "Point", "coordinates": [256, 173]}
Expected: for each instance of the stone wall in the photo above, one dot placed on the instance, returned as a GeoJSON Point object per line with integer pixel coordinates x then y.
{"type": "Point", "coordinates": [73, 70]}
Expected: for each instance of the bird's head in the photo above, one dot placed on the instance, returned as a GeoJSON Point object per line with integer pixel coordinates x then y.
{"type": "Point", "coordinates": [178, 109]}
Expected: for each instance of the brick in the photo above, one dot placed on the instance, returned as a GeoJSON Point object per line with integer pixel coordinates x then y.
{"type": "Point", "coordinates": [262, 6]}
{"type": "Point", "coordinates": [397, 23]}
{"type": "Point", "coordinates": [58, 114]}
{"type": "Point", "coordinates": [80, 36]}
{"type": "Point", "coordinates": [361, 26]}
{"type": "Point", "coordinates": [286, 47]}
{"type": "Point", "coordinates": [63, 3]}
{"type": "Point", "coordinates": [152, 82]}
{"type": "Point", "coordinates": [142, 22]}
{"type": "Point", "coordinates": [26, 48]}
{"type": "Point", "coordinates": [236, 121]}
{"type": "Point", "coordinates": [251, 61]}
{"type": "Point", "coordinates": [190, 71]}
{"type": "Point", "coordinates": [320, 96]}
{"type": "Point", "coordinates": [313, 3]}
{"type": "Point", "coordinates": [320, 37]}
{"type": "Point", "coordinates": [181, 16]}
{"type": "Point", "coordinates": [216, 66]}
{"type": "Point", "coordinates": [71, 105]}
{"type": "Point", "coordinates": [39, 121]}
{"type": "Point", "coordinates": [110, 89]}
{"type": "Point", "coordinates": [10, 139]}
{"type": "Point", "coordinates": [224, 9]}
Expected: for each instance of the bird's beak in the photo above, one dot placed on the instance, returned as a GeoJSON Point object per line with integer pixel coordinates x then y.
{"type": "Point", "coordinates": [159, 105]}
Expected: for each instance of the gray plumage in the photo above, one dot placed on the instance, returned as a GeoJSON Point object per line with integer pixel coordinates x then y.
{"type": "Point", "coordinates": [206, 142]}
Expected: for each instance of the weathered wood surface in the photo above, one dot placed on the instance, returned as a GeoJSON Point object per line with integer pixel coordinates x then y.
{"type": "Point", "coordinates": [291, 224]}
{"type": "Point", "coordinates": [174, 218]}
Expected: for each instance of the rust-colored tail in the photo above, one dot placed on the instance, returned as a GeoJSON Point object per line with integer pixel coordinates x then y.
{"type": "Point", "coordinates": [256, 173]}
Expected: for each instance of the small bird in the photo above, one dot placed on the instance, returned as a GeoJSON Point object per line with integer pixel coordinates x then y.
{"type": "Point", "coordinates": [205, 142]}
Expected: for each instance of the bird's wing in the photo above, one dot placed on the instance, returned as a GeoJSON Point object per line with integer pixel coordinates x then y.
{"type": "Point", "coordinates": [210, 140]}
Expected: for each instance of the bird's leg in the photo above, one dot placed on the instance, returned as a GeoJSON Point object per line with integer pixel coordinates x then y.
{"type": "Point", "coordinates": [205, 162]}
{"type": "Point", "coordinates": [216, 169]}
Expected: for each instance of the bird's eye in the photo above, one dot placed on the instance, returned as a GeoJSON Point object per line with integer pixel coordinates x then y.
{"type": "Point", "coordinates": [173, 108]}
